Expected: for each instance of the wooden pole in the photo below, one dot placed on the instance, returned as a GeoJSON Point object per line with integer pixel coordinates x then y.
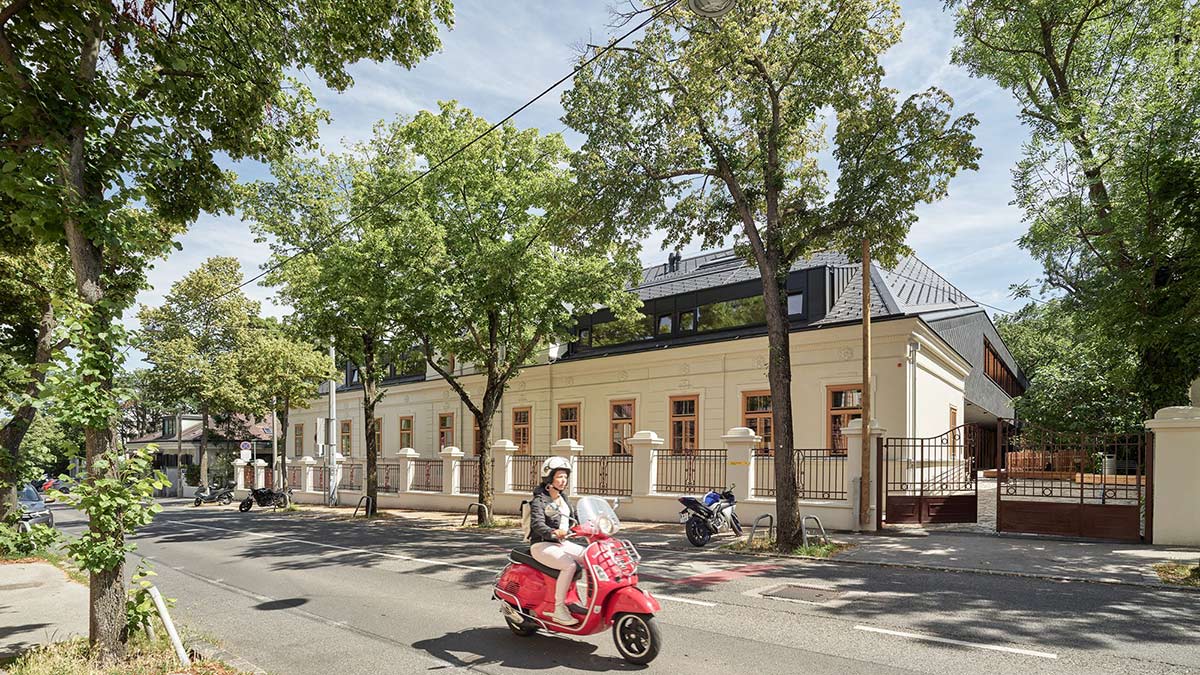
{"type": "Point", "coordinates": [864, 491]}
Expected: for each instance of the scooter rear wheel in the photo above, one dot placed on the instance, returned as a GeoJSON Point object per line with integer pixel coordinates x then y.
{"type": "Point", "coordinates": [520, 629]}
{"type": "Point", "coordinates": [637, 637]}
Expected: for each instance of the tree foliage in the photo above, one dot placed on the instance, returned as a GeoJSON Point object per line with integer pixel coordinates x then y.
{"type": "Point", "coordinates": [713, 128]}
{"type": "Point", "coordinates": [1110, 91]}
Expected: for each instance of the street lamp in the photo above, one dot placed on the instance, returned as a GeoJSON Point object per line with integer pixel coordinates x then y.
{"type": "Point", "coordinates": [711, 9]}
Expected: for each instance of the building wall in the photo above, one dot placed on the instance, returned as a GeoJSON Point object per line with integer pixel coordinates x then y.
{"type": "Point", "coordinates": [717, 373]}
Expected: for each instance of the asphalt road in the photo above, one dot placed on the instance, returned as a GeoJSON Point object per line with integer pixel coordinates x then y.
{"type": "Point", "coordinates": [297, 593]}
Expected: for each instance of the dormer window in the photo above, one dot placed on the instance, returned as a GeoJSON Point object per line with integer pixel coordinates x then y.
{"type": "Point", "coordinates": [168, 427]}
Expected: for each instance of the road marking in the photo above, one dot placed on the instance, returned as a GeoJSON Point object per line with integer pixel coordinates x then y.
{"type": "Point", "coordinates": [687, 601]}
{"type": "Point", "coordinates": [396, 556]}
{"type": "Point", "coordinates": [961, 643]}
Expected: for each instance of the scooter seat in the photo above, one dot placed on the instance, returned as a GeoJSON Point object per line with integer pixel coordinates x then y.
{"type": "Point", "coordinates": [523, 556]}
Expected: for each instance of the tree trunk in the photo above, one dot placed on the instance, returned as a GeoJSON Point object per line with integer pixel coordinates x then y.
{"type": "Point", "coordinates": [13, 433]}
{"type": "Point", "coordinates": [204, 447]}
{"type": "Point", "coordinates": [483, 450]}
{"type": "Point", "coordinates": [779, 374]}
{"type": "Point", "coordinates": [283, 443]}
{"type": "Point", "coordinates": [370, 392]}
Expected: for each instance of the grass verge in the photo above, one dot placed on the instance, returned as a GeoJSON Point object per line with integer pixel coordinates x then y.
{"type": "Point", "coordinates": [495, 524]}
{"type": "Point", "coordinates": [768, 546]}
{"type": "Point", "coordinates": [1181, 574]}
{"type": "Point", "coordinates": [144, 658]}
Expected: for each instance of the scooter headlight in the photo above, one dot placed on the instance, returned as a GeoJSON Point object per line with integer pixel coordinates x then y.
{"type": "Point", "coordinates": [605, 525]}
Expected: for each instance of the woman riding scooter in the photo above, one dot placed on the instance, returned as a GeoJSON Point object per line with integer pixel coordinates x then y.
{"type": "Point", "coordinates": [549, 524]}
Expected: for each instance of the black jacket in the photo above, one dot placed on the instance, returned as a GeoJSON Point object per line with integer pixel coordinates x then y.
{"type": "Point", "coordinates": [543, 516]}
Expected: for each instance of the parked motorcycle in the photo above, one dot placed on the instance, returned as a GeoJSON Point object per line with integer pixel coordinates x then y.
{"type": "Point", "coordinates": [214, 494]}
{"type": "Point", "coordinates": [525, 589]}
{"type": "Point", "coordinates": [266, 497]}
{"type": "Point", "coordinates": [704, 518]}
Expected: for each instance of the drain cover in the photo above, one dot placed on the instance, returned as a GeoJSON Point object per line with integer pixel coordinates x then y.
{"type": "Point", "coordinates": [803, 593]}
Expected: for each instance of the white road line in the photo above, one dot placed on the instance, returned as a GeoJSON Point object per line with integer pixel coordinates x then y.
{"type": "Point", "coordinates": [961, 643]}
{"type": "Point", "coordinates": [688, 601]}
{"type": "Point", "coordinates": [396, 556]}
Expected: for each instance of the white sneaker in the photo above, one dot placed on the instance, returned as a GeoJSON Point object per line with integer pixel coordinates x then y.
{"type": "Point", "coordinates": [563, 617]}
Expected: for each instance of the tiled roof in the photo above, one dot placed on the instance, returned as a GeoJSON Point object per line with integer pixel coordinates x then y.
{"type": "Point", "coordinates": [255, 432]}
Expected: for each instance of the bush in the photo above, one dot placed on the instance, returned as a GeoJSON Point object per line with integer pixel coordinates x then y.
{"type": "Point", "coordinates": [191, 474]}
{"type": "Point", "coordinates": [20, 544]}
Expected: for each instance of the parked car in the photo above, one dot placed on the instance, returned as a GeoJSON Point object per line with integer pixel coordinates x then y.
{"type": "Point", "coordinates": [33, 508]}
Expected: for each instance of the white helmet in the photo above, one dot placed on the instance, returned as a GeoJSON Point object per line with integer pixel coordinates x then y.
{"type": "Point", "coordinates": [554, 464]}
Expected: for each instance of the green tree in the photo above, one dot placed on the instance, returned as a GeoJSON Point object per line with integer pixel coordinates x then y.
{"type": "Point", "coordinates": [507, 270]}
{"type": "Point", "coordinates": [198, 341]}
{"type": "Point", "coordinates": [344, 276]}
{"type": "Point", "coordinates": [31, 277]}
{"type": "Point", "coordinates": [1080, 379]}
{"type": "Point", "coordinates": [710, 129]}
{"type": "Point", "coordinates": [283, 372]}
{"type": "Point", "coordinates": [106, 106]}
{"type": "Point", "coordinates": [1110, 176]}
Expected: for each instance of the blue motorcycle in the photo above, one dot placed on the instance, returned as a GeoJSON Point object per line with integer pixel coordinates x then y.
{"type": "Point", "coordinates": [702, 518]}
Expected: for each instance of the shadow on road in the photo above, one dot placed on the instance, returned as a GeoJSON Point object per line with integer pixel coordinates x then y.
{"type": "Point", "coordinates": [498, 646]}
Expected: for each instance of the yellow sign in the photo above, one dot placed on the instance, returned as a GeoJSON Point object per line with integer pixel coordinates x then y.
{"type": "Point", "coordinates": [738, 463]}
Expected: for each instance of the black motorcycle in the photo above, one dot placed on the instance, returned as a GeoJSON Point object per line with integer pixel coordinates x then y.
{"type": "Point", "coordinates": [266, 497]}
{"type": "Point", "coordinates": [703, 519]}
{"type": "Point", "coordinates": [214, 494]}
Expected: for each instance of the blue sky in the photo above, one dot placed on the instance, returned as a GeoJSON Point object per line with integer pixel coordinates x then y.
{"type": "Point", "coordinates": [502, 52]}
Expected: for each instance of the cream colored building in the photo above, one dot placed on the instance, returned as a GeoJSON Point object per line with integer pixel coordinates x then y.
{"type": "Point", "coordinates": [690, 375]}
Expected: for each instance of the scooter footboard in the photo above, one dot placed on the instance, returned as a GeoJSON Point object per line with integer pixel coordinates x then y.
{"type": "Point", "coordinates": [630, 599]}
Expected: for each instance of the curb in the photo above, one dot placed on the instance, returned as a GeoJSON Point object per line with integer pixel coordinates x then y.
{"type": "Point", "coordinates": [210, 652]}
{"type": "Point", "coordinates": [974, 570]}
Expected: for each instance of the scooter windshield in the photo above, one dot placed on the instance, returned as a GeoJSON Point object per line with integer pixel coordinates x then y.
{"type": "Point", "coordinates": [597, 513]}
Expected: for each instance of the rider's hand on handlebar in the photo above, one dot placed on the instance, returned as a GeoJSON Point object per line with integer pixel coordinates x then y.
{"type": "Point", "coordinates": [560, 534]}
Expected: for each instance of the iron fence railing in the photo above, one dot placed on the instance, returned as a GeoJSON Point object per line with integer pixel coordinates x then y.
{"type": "Point", "coordinates": [690, 471]}
{"type": "Point", "coordinates": [605, 475]}
{"type": "Point", "coordinates": [527, 472]}
{"type": "Point", "coordinates": [820, 474]}
{"type": "Point", "coordinates": [427, 475]}
{"type": "Point", "coordinates": [389, 477]}
{"type": "Point", "coordinates": [352, 477]}
{"type": "Point", "coordinates": [468, 476]}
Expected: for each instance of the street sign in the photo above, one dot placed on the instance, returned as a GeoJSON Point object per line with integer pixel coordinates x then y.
{"type": "Point", "coordinates": [244, 445]}
{"type": "Point", "coordinates": [247, 456]}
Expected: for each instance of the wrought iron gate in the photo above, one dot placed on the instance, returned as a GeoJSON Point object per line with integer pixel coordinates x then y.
{"type": "Point", "coordinates": [931, 480]}
{"type": "Point", "coordinates": [1092, 485]}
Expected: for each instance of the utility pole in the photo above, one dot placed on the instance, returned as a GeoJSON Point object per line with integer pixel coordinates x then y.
{"type": "Point", "coordinates": [864, 485]}
{"type": "Point", "coordinates": [179, 450]}
{"type": "Point", "coordinates": [331, 434]}
{"type": "Point", "coordinates": [276, 480]}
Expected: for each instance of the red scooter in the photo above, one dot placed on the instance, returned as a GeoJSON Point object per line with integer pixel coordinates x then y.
{"type": "Point", "coordinates": [526, 589]}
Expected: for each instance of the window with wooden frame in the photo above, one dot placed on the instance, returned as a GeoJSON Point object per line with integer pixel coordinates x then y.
{"type": "Point", "coordinates": [568, 421]}
{"type": "Point", "coordinates": [406, 431]}
{"type": "Point", "coordinates": [684, 422]}
{"type": "Point", "coordinates": [445, 430]}
{"type": "Point", "coordinates": [756, 416]}
{"type": "Point", "coordinates": [621, 419]}
{"type": "Point", "coordinates": [997, 371]}
{"type": "Point", "coordinates": [345, 446]}
{"type": "Point", "coordinates": [378, 437]}
{"type": "Point", "coordinates": [843, 403]}
{"type": "Point", "coordinates": [298, 441]}
{"type": "Point", "coordinates": [953, 418]}
{"type": "Point", "coordinates": [522, 425]}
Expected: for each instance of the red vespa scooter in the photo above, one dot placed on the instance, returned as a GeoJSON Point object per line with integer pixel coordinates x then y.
{"type": "Point", "coordinates": [526, 589]}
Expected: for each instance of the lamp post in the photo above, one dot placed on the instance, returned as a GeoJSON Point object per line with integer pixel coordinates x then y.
{"type": "Point", "coordinates": [711, 9]}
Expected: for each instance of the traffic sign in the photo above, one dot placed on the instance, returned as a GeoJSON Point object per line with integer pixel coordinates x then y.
{"type": "Point", "coordinates": [245, 445]}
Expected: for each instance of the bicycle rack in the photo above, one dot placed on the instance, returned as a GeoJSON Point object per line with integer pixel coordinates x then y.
{"type": "Point", "coordinates": [487, 515]}
{"type": "Point", "coordinates": [754, 527]}
{"type": "Point", "coordinates": [370, 505]}
{"type": "Point", "coordinates": [804, 530]}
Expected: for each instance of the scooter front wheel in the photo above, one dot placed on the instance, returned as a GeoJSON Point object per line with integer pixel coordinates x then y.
{"type": "Point", "coordinates": [197, 502]}
{"type": "Point", "coordinates": [637, 637]}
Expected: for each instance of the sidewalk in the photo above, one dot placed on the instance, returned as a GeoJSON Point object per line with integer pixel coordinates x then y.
{"type": "Point", "coordinates": [1103, 562]}
{"type": "Point", "coordinates": [39, 605]}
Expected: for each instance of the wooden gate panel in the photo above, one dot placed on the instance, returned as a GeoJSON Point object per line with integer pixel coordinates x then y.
{"type": "Point", "coordinates": [902, 510]}
{"type": "Point", "coordinates": [1039, 518]}
{"type": "Point", "coordinates": [951, 509]}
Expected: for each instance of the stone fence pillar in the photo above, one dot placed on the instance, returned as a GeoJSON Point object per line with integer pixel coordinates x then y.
{"type": "Point", "coordinates": [853, 433]}
{"type": "Point", "coordinates": [260, 473]}
{"type": "Point", "coordinates": [740, 443]}
{"type": "Point", "coordinates": [567, 447]}
{"type": "Point", "coordinates": [502, 465]}
{"type": "Point", "coordinates": [405, 468]}
{"type": "Point", "coordinates": [1175, 476]}
{"type": "Point", "coordinates": [643, 445]}
{"type": "Point", "coordinates": [451, 459]}
{"type": "Point", "coordinates": [239, 474]}
{"type": "Point", "coordinates": [306, 473]}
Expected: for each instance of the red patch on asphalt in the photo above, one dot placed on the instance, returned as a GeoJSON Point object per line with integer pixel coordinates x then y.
{"type": "Point", "coordinates": [713, 578]}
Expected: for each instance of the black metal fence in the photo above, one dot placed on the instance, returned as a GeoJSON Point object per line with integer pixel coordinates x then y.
{"type": "Point", "coordinates": [691, 471]}
{"type": "Point", "coordinates": [820, 474]}
{"type": "Point", "coordinates": [427, 475]}
{"type": "Point", "coordinates": [468, 476]}
{"type": "Point", "coordinates": [605, 475]}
